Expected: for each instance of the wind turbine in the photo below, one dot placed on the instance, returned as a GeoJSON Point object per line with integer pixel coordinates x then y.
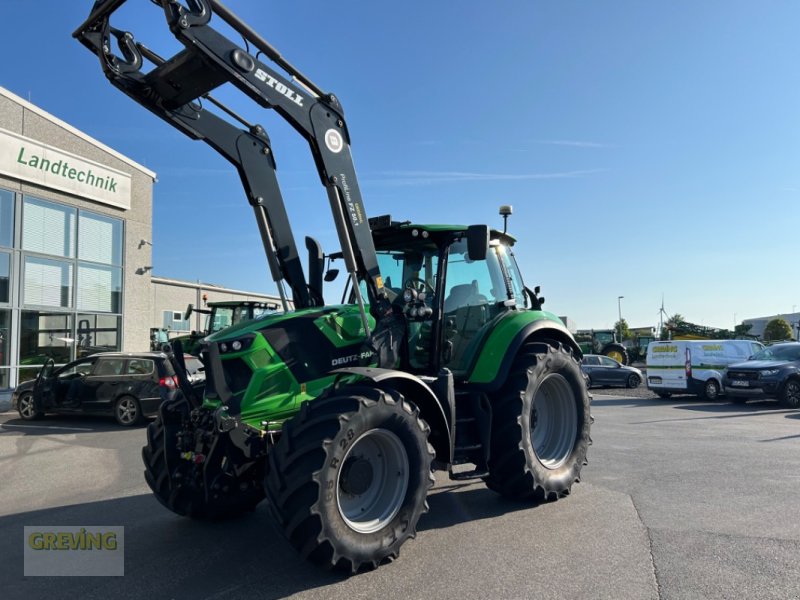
{"type": "Point", "coordinates": [661, 313]}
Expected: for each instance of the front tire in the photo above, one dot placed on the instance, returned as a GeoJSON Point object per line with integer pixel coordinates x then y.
{"type": "Point", "coordinates": [540, 426]}
{"type": "Point", "coordinates": [349, 476]}
{"type": "Point", "coordinates": [790, 395]}
{"type": "Point", "coordinates": [179, 485]}
{"type": "Point", "coordinates": [711, 390]}
{"type": "Point", "coordinates": [633, 381]}
{"type": "Point", "coordinates": [26, 407]}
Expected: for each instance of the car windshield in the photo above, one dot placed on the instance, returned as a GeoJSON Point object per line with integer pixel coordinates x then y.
{"type": "Point", "coordinates": [791, 352]}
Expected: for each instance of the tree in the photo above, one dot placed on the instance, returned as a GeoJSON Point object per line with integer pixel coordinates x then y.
{"type": "Point", "coordinates": [674, 320]}
{"type": "Point", "coordinates": [622, 329]}
{"type": "Point", "coordinates": [742, 329]}
{"type": "Point", "coordinates": [777, 329]}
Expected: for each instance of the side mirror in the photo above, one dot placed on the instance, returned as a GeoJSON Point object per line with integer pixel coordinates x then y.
{"type": "Point", "coordinates": [331, 274]}
{"type": "Point", "coordinates": [477, 242]}
{"type": "Point", "coordinates": [188, 312]}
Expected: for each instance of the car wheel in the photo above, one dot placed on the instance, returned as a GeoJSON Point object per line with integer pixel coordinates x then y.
{"type": "Point", "coordinates": [128, 411]}
{"type": "Point", "coordinates": [710, 390]}
{"type": "Point", "coordinates": [790, 397]}
{"type": "Point", "coordinates": [633, 380]}
{"type": "Point", "coordinates": [27, 408]}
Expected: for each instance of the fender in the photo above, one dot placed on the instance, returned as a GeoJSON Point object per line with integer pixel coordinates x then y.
{"type": "Point", "coordinates": [419, 392]}
{"type": "Point", "coordinates": [497, 355]}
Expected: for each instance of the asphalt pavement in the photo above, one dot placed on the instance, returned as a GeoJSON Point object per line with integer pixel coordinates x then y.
{"type": "Point", "coordinates": [681, 499]}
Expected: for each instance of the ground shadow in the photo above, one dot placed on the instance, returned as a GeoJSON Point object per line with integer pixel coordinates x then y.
{"type": "Point", "coordinates": [77, 423]}
{"type": "Point", "coordinates": [448, 509]}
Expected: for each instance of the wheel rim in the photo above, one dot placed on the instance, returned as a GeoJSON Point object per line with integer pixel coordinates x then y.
{"type": "Point", "coordinates": [373, 481]}
{"type": "Point", "coordinates": [553, 421]}
{"type": "Point", "coordinates": [616, 355]}
{"type": "Point", "coordinates": [793, 393]}
{"type": "Point", "coordinates": [26, 407]}
{"type": "Point", "coordinates": [127, 411]}
{"type": "Point", "coordinates": [633, 381]}
{"type": "Point", "coordinates": [711, 389]}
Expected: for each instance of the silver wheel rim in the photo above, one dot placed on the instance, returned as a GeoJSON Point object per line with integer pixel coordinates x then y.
{"type": "Point", "coordinates": [127, 411]}
{"type": "Point", "coordinates": [554, 417]}
{"type": "Point", "coordinates": [711, 389]}
{"type": "Point", "coordinates": [793, 393]}
{"type": "Point", "coordinates": [26, 407]}
{"type": "Point", "coordinates": [373, 480]}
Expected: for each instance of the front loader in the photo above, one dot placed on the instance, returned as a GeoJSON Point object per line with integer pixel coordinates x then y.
{"type": "Point", "coordinates": [440, 358]}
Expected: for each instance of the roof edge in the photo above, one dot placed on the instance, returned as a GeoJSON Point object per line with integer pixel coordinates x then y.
{"type": "Point", "coordinates": [73, 130]}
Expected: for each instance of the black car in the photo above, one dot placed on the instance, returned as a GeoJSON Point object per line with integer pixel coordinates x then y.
{"type": "Point", "coordinates": [604, 371]}
{"type": "Point", "coordinates": [129, 386]}
{"type": "Point", "coordinates": [774, 372]}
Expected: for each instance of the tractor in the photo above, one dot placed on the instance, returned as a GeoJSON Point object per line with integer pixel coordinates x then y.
{"type": "Point", "coordinates": [221, 314]}
{"type": "Point", "coordinates": [602, 341]}
{"type": "Point", "coordinates": [439, 359]}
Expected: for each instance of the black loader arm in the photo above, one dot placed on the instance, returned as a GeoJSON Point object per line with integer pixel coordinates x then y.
{"type": "Point", "coordinates": [175, 90]}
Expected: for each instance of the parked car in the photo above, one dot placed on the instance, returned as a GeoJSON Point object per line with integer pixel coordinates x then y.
{"type": "Point", "coordinates": [129, 386]}
{"type": "Point", "coordinates": [603, 370]}
{"type": "Point", "coordinates": [774, 372]}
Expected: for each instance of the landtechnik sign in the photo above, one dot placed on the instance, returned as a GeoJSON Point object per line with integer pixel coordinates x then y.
{"type": "Point", "coordinates": [24, 158]}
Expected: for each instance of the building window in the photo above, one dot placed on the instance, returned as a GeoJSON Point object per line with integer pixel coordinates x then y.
{"type": "Point", "coordinates": [6, 218]}
{"type": "Point", "coordinates": [48, 228]}
{"type": "Point", "coordinates": [99, 288]}
{"type": "Point", "coordinates": [174, 321]}
{"type": "Point", "coordinates": [5, 274]}
{"type": "Point", "coordinates": [99, 239]}
{"type": "Point", "coordinates": [98, 333]}
{"type": "Point", "coordinates": [45, 335]}
{"type": "Point", "coordinates": [47, 282]}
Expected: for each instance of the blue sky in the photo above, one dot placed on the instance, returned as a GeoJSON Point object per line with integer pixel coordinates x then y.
{"type": "Point", "coordinates": [647, 147]}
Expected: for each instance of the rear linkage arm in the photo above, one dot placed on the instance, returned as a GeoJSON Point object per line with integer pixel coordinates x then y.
{"type": "Point", "coordinates": [172, 91]}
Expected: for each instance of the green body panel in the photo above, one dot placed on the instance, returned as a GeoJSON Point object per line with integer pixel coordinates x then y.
{"type": "Point", "coordinates": [496, 345]}
{"type": "Point", "coordinates": [273, 393]}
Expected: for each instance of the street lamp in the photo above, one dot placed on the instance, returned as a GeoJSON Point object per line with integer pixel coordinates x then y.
{"type": "Point", "coordinates": [619, 309]}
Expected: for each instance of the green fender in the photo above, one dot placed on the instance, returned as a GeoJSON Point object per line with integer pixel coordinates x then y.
{"type": "Point", "coordinates": [505, 340]}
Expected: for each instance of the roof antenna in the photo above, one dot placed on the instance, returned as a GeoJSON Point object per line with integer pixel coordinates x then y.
{"type": "Point", "coordinates": [505, 212]}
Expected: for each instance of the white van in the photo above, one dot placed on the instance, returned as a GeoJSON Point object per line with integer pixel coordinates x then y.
{"type": "Point", "coordinates": [694, 366]}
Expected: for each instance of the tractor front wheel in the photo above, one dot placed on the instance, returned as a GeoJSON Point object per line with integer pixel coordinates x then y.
{"type": "Point", "coordinates": [540, 426]}
{"type": "Point", "coordinates": [348, 478]}
{"type": "Point", "coordinates": [213, 489]}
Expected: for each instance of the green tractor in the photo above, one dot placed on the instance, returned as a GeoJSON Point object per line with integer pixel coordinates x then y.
{"type": "Point", "coordinates": [440, 359]}
{"type": "Point", "coordinates": [602, 341]}
{"type": "Point", "coordinates": [221, 315]}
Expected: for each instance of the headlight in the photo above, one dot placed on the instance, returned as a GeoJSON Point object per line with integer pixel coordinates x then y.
{"type": "Point", "coordinates": [236, 345]}
{"type": "Point", "coordinates": [769, 372]}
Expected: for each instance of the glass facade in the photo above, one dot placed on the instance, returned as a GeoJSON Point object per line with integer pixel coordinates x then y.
{"type": "Point", "coordinates": [61, 291]}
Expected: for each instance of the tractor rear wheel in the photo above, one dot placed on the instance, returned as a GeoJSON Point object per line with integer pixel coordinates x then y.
{"type": "Point", "coordinates": [348, 478]}
{"type": "Point", "coordinates": [617, 352]}
{"type": "Point", "coordinates": [540, 426]}
{"type": "Point", "coordinates": [199, 491]}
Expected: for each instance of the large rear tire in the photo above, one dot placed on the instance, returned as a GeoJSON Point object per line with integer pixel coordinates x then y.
{"type": "Point", "coordinates": [180, 485]}
{"type": "Point", "coordinates": [348, 478]}
{"type": "Point", "coordinates": [540, 426]}
{"type": "Point", "coordinates": [617, 352]}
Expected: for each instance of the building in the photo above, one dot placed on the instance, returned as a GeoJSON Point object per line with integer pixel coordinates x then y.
{"type": "Point", "coordinates": [75, 250]}
{"type": "Point", "coordinates": [72, 214]}
{"type": "Point", "coordinates": [760, 323]}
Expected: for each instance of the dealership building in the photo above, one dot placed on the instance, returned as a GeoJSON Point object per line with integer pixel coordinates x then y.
{"type": "Point", "coordinates": [75, 251]}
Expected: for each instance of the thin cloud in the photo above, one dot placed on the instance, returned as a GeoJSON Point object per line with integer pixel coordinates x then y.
{"type": "Point", "coordinates": [575, 143]}
{"type": "Point", "coordinates": [434, 177]}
